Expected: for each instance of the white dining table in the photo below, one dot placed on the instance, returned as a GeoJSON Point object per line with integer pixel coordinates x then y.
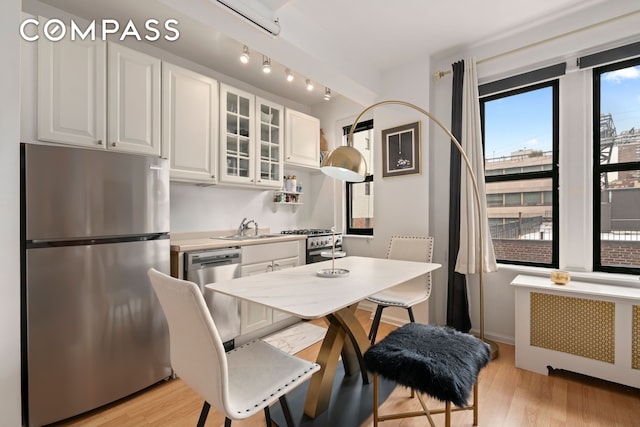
{"type": "Point", "coordinates": [302, 292]}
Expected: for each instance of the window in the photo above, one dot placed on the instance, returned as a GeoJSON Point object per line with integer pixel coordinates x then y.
{"type": "Point", "coordinates": [616, 175]}
{"type": "Point", "coordinates": [520, 134]}
{"type": "Point", "coordinates": [359, 195]}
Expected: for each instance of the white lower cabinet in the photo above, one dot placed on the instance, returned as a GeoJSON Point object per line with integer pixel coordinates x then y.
{"type": "Point", "coordinates": [260, 259]}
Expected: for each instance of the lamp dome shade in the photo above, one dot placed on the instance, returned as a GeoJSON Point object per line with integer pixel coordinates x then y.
{"type": "Point", "coordinates": [346, 164]}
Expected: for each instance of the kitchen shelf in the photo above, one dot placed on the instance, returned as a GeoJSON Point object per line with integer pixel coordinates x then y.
{"type": "Point", "coordinates": [284, 192]}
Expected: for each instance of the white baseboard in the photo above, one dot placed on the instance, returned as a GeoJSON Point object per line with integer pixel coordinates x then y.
{"type": "Point", "coordinates": [399, 321]}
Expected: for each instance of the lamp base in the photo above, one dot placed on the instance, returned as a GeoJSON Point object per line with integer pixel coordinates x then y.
{"type": "Point", "coordinates": [493, 347]}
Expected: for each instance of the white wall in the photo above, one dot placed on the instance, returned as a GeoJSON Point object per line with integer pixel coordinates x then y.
{"type": "Point", "coordinates": [10, 214]}
{"type": "Point", "coordinates": [575, 150]}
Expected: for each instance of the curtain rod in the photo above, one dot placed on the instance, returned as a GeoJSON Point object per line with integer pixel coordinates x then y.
{"type": "Point", "coordinates": [440, 74]}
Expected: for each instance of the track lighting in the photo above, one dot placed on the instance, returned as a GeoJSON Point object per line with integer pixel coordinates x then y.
{"type": "Point", "coordinates": [266, 64]}
{"type": "Point", "coordinates": [327, 94]}
{"type": "Point", "coordinates": [244, 57]}
{"type": "Point", "coordinates": [289, 75]}
{"type": "Point", "coordinates": [309, 85]}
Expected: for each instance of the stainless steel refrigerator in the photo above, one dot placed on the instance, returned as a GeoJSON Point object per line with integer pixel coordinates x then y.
{"type": "Point", "coordinates": [93, 223]}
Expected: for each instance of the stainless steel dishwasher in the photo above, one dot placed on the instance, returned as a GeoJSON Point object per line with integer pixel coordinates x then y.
{"type": "Point", "coordinates": [211, 266]}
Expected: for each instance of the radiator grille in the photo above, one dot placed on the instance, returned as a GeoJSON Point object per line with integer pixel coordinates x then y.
{"type": "Point", "coordinates": [573, 325]}
{"type": "Point", "coordinates": [635, 333]}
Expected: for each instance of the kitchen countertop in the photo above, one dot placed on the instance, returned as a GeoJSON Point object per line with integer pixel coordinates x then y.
{"type": "Point", "coordinates": [202, 240]}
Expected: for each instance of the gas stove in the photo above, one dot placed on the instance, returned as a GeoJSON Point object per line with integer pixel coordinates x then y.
{"type": "Point", "coordinates": [318, 241]}
{"type": "Point", "coordinates": [308, 231]}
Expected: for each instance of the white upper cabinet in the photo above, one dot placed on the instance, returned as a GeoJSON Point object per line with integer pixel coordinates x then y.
{"type": "Point", "coordinates": [237, 139]}
{"type": "Point", "coordinates": [78, 79]}
{"type": "Point", "coordinates": [269, 139]}
{"type": "Point", "coordinates": [302, 144]}
{"type": "Point", "coordinates": [134, 101]}
{"type": "Point", "coordinates": [189, 124]}
{"type": "Point", "coordinates": [71, 92]}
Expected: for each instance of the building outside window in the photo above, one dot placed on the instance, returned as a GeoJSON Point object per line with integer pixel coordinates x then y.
{"type": "Point", "coordinates": [520, 135]}
{"type": "Point", "coordinates": [359, 196]}
{"type": "Point", "coordinates": [616, 195]}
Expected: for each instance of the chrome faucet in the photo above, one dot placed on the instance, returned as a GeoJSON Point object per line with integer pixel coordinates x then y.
{"type": "Point", "coordinates": [244, 226]}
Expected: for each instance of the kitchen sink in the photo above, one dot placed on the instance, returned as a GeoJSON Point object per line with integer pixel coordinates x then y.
{"type": "Point", "coordinates": [246, 237]}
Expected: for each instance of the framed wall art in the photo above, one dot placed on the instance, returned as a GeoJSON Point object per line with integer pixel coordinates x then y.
{"type": "Point", "coordinates": [401, 150]}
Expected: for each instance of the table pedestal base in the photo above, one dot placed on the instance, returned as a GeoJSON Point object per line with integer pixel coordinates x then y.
{"type": "Point", "coordinates": [345, 336]}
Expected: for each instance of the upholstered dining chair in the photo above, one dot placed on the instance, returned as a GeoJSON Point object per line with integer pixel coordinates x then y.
{"type": "Point", "coordinates": [408, 294]}
{"type": "Point", "coordinates": [239, 383]}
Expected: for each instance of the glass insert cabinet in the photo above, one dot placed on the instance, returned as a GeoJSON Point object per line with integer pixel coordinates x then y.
{"type": "Point", "coordinates": [251, 139]}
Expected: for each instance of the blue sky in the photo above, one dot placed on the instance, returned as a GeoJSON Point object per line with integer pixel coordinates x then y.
{"type": "Point", "coordinates": [524, 121]}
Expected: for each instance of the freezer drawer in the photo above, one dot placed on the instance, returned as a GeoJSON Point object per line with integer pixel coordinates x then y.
{"type": "Point", "coordinates": [96, 332]}
{"type": "Point", "coordinates": [74, 193]}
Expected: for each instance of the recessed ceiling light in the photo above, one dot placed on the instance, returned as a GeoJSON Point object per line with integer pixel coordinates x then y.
{"type": "Point", "coordinates": [244, 56]}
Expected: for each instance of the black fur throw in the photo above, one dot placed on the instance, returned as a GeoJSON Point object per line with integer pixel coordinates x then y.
{"type": "Point", "coordinates": [438, 361]}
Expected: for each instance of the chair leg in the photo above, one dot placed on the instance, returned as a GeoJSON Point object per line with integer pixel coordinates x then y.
{"type": "Point", "coordinates": [375, 400]}
{"type": "Point", "coordinates": [376, 322]}
{"type": "Point", "coordinates": [411, 317]}
{"type": "Point", "coordinates": [267, 416]}
{"type": "Point", "coordinates": [227, 422]}
{"type": "Point", "coordinates": [285, 410]}
{"type": "Point", "coordinates": [204, 413]}
{"type": "Point", "coordinates": [475, 404]}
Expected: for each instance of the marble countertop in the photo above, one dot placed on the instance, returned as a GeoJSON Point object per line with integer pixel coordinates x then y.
{"type": "Point", "coordinates": [202, 240]}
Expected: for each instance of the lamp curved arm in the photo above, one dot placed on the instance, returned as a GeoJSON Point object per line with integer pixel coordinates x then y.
{"type": "Point", "coordinates": [474, 181]}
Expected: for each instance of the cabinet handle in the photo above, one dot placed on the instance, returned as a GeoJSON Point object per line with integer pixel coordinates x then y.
{"type": "Point", "coordinates": [99, 142]}
{"type": "Point", "coordinates": [113, 144]}
{"type": "Point", "coordinates": [276, 265]}
{"type": "Point", "coordinates": [213, 176]}
{"type": "Point", "coordinates": [269, 268]}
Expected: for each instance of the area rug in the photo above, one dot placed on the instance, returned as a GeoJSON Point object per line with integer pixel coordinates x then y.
{"type": "Point", "coordinates": [350, 405]}
{"type": "Point", "coordinates": [297, 337]}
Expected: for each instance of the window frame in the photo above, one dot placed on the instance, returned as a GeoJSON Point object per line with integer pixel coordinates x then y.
{"type": "Point", "coordinates": [599, 168]}
{"type": "Point", "coordinates": [552, 174]}
{"type": "Point", "coordinates": [361, 126]}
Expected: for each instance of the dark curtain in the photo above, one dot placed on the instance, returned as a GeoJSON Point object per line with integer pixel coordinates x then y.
{"type": "Point", "coordinates": [457, 303]}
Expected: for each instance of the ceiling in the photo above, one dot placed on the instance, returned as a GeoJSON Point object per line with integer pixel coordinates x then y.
{"type": "Point", "coordinates": [345, 45]}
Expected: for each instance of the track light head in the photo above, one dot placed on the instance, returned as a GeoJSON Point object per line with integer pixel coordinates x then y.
{"type": "Point", "coordinates": [266, 64]}
{"type": "Point", "coordinates": [309, 85]}
{"type": "Point", "coordinates": [244, 56]}
{"type": "Point", "coordinates": [289, 75]}
{"type": "Point", "coordinates": [327, 94]}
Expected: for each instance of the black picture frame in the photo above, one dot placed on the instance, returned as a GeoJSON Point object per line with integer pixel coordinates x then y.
{"type": "Point", "coordinates": [401, 150]}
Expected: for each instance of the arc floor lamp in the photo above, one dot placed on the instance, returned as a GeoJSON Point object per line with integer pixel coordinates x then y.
{"type": "Point", "coordinates": [347, 164]}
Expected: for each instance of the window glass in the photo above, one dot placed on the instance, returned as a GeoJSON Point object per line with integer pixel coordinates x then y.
{"type": "Point", "coordinates": [617, 167]}
{"type": "Point", "coordinates": [520, 148]}
{"type": "Point", "coordinates": [359, 196]}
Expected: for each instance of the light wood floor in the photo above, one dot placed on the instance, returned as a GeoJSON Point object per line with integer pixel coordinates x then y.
{"type": "Point", "coordinates": [509, 397]}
